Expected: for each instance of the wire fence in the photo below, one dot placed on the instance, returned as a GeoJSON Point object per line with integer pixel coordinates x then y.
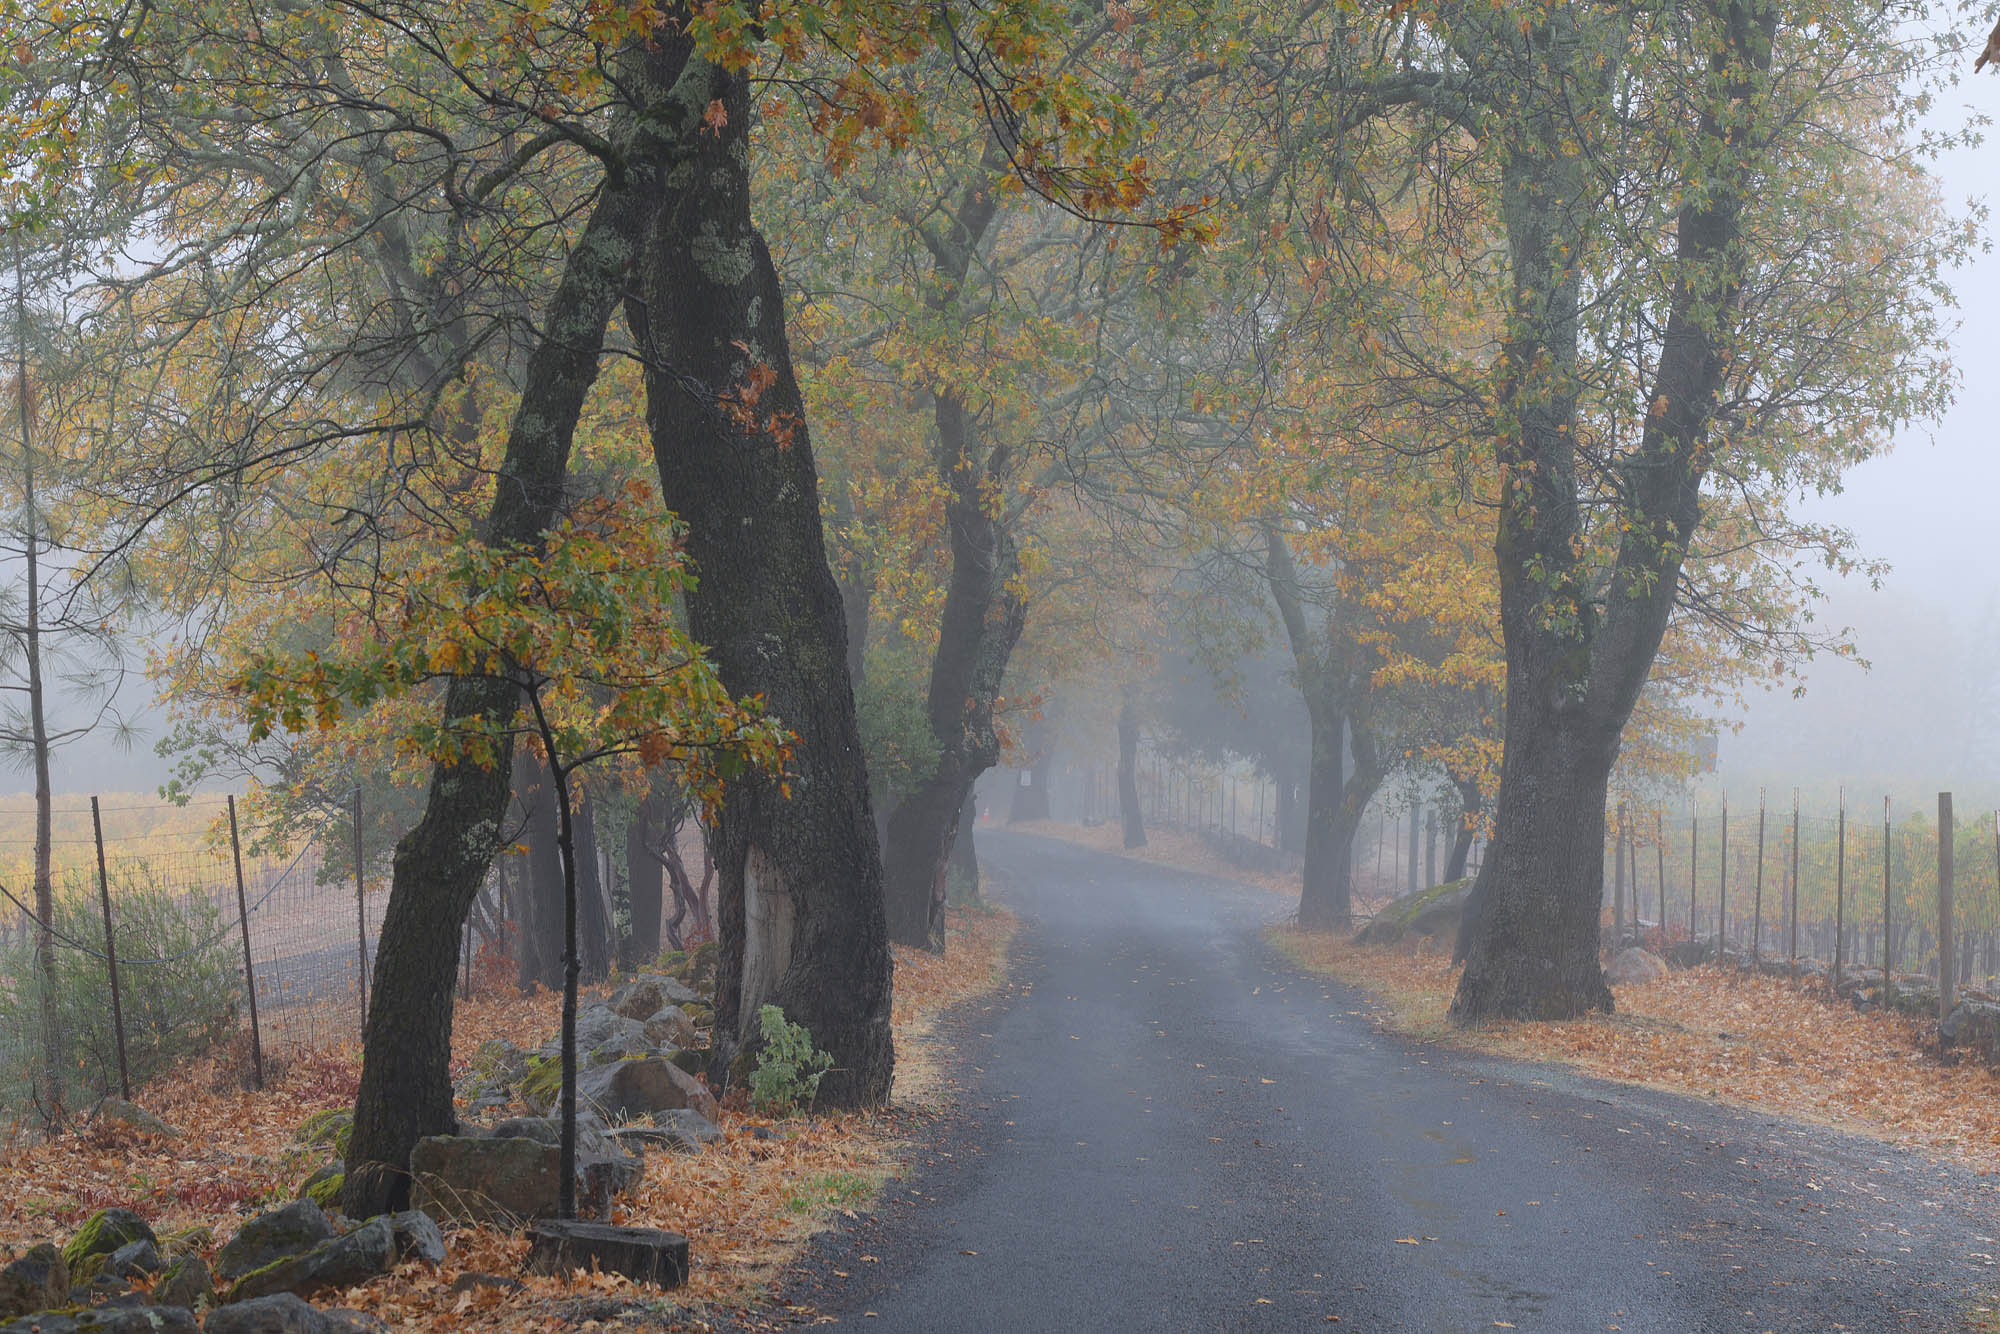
{"type": "Point", "coordinates": [172, 938]}
{"type": "Point", "coordinates": [1859, 887]}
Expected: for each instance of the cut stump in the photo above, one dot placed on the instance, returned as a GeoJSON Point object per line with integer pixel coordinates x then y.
{"type": "Point", "coordinates": [643, 1254]}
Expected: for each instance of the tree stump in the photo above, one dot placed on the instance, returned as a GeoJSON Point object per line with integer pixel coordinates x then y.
{"type": "Point", "coordinates": [643, 1254]}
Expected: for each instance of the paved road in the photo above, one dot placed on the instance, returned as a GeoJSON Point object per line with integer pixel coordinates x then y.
{"type": "Point", "coordinates": [1167, 1128]}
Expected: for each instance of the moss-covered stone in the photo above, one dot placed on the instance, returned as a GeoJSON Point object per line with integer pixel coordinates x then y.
{"type": "Point", "coordinates": [694, 1060]}
{"type": "Point", "coordinates": [330, 1125]}
{"type": "Point", "coordinates": [102, 1233]}
{"type": "Point", "coordinates": [324, 1185]}
{"type": "Point", "coordinates": [543, 1084]}
{"type": "Point", "coordinates": [1428, 912]}
{"type": "Point", "coordinates": [186, 1282]}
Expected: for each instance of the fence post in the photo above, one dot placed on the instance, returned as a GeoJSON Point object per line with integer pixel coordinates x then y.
{"type": "Point", "coordinates": [1660, 870]}
{"type": "Point", "coordinates": [1694, 871]}
{"type": "Point", "coordinates": [1947, 957]}
{"type": "Point", "coordinates": [111, 954]}
{"type": "Point", "coordinates": [360, 910]}
{"type": "Point", "coordinates": [1840, 892]}
{"type": "Point", "coordinates": [1722, 886]}
{"type": "Point", "coordinates": [1794, 942]}
{"type": "Point", "coordinates": [1757, 924]}
{"type": "Point", "coordinates": [1618, 881]}
{"type": "Point", "coordinates": [1888, 935]}
{"type": "Point", "coordinates": [249, 971]}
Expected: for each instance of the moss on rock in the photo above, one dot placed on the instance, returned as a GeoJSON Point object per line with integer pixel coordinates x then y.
{"type": "Point", "coordinates": [101, 1234]}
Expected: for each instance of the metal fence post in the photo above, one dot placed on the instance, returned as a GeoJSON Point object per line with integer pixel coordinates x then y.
{"type": "Point", "coordinates": [360, 910]}
{"type": "Point", "coordinates": [1722, 886]}
{"type": "Point", "coordinates": [1888, 935]}
{"type": "Point", "coordinates": [1947, 956]}
{"type": "Point", "coordinates": [1757, 925]}
{"type": "Point", "coordinates": [249, 971]}
{"type": "Point", "coordinates": [1794, 941]}
{"type": "Point", "coordinates": [1840, 893]}
{"type": "Point", "coordinates": [111, 954]}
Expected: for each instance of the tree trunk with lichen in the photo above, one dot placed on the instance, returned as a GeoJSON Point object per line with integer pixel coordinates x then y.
{"type": "Point", "coordinates": [799, 899]}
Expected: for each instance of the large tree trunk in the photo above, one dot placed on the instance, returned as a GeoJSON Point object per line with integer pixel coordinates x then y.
{"type": "Point", "coordinates": [440, 864]}
{"type": "Point", "coordinates": [594, 927]}
{"type": "Point", "coordinates": [1128, 775]}
{"type": "Point", "coordinates": [647, 879]}
{"type": "Point", "coordinates": [800, 895]}
{"type": "Point", "coordinates": [963, 872]}
{"type": "Point", "coordinates": [1577, 657]}
{"type": "Point", "coordinates": [541, 929]}
{"type": "Point", "coordinates": [1470, 804]}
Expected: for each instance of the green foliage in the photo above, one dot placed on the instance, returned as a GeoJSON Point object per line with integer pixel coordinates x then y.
{"type": "Point", "coordinates": [834, 1190]}
{"type": "Point", "coordinates": [788, 1067]}
{"type": "Point", "coordinates": [895, 725]}
{"type": "Point", "coordinates": [173, 1009]}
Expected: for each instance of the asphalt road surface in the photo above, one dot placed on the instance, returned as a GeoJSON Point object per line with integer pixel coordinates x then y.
{"type": "Point", "coordinates": [1166, 1127]}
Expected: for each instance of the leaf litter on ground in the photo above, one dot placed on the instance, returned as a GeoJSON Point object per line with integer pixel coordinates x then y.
{"type": "Point", "coordinates": [746, 1205]}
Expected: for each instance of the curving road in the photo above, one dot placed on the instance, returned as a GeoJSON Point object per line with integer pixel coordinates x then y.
{"type": "Point", "coordinates": [1168, 1128]}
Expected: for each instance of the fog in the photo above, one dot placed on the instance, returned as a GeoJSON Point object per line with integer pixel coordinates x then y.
{"type": "Point", "coordinates": [1922, 716]}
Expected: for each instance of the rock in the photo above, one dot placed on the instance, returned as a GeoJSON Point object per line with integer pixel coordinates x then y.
{"type": "Point", "coordinates": [509, 1179]}
{"type": "Point", "coordinates": [1974, 1024]}
{"type": "Point", "coordinates": [276, 1234]}
{"type": "Point", "coordinates": [331, 1125]}
{"type": "Point", "coordinates": [134, 1259]}
{"type": "Point", "coordinates": [324, 1185]}
{"type": "Point", "coordinates": [35, 1281]}
{"type": "Point", "coordinates": [690, 1124]}
{"type": "Point", "coordinates": [1431, 912]}
{"type": "Point", "coordinates": [670, 1027]}
{"type": "Point", "coordinates": [187, 1282]}
{"type": "Point", "coordinates": [643, 1254]}
{"type": "Point", "coordinates": [339, 1262]}
{"type": "Point", "coordinates": [417, 1237]}
{"type": "Point", "coordinates": [473, 1281]}
{"type": "Point", "coordinates": [104, 1232]}
{"type": "Point", "coordinates": [501, 1061]}
{"type": "Point", "coordinates": [639, 998]}
{"type": "Point", "coordinates": [627, 1090]}
{"type": "Point", "coordinates": [133, 1115]}
{"type": "Point", "coordinates": [680, 993]}
{"type": "Point", "coordinates": [280, 1313]}
{"type": "Point", "coordinates": [107, 1320]}
{"type": "Point", "coordinates": [340, 1321]}
{"type": "Point", "coordinates": [1633, 967]}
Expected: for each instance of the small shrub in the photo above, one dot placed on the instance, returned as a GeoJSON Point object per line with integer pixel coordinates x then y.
{"type": "Point", "coordinates": [788, 1067]}
{"type": "Point", "coordinates": [173, 1010]}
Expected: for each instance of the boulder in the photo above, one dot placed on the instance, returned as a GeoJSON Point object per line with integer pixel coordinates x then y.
{"type": "Point", "coordinates": [133, 1115]}
{"type": "Point", "coordinates": [324, 1185]}
{"type": "Point", "coordinates": [277, 1234]}
{"type": "Point", "coordinates": [187, 1282]}
{"type": "Point", "coordinates": [417, 1237]}
{"type": "Point", "coordinates": [186, 1241]}
{"type": "Point", "coordinates": [135, 1259]}
{"type": "Point", "coordinates": [643, 1254]}
{"type": "Point", "coordinates": [639, 998]}
{"type": "Point", "coordinates": [280, 1313]}
{"type": "Point", "coordinates": [331, 1125]}
{"type": "Point", "coordinates": [1974, 1024]}
{"type": "Point", "coordinates": [627, 1090]}
{"type": "Point", "coordinates": [339, 1321]}
{"type": "Point", "coordinates": [500, 1061]}
{"type": "Point", "coordinates": [670, 1027]}
{"type": "Point", "coordinates": [35, 1281]}
{"type": "Point", "coordinates": [107, 1320]}
{"type": "Point", "coordinates": [104, 1232]}
{"type": "Point", "coordinates": [1634, 967]}
{"type": "Point", "coordinates": [339, 1262]}
{"type": "Point", "coordinates": [509, 1179]}
{"type": "Point", "coordinates": [1430, 912]}
{"type": "Point", "coordinates": [681, 1129]}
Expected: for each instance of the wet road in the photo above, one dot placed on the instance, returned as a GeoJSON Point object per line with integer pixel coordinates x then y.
{"type": "Point", "coordinates": [1168, 1128]}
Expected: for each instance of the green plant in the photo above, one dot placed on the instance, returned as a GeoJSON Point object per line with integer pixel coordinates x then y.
{"type": "Point", "coordinates": [788, 1067]}
{"type": "Point", "coordinates": [178, 981]}
{"type": "Point", "coordinates": [834, 1190]}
